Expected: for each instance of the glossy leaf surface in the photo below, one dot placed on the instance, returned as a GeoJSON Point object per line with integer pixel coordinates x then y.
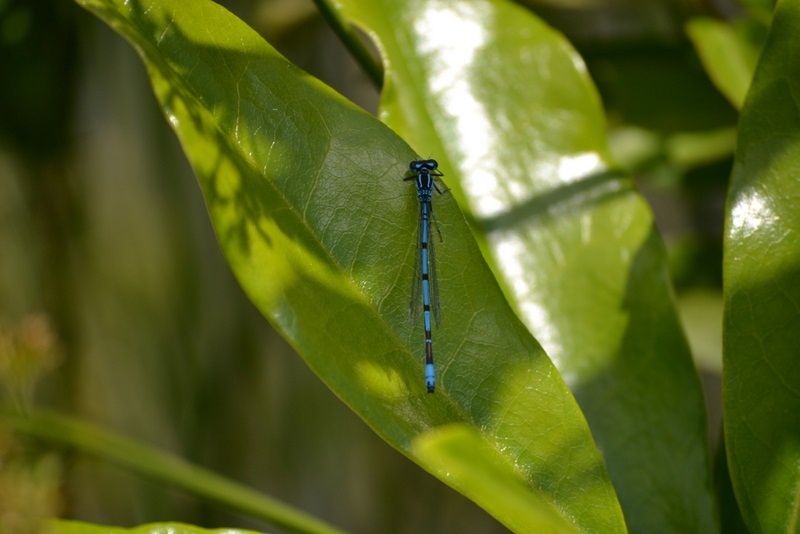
{"type": "Point", "coordinates": [761, 368]}
{"type": "Point", "coordinates": [505, 104]}
{"type": "Point", "coordinates": [306, 195]}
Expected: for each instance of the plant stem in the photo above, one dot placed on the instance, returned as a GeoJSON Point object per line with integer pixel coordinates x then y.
{"type": "Point", "coordinates": [163, 466]}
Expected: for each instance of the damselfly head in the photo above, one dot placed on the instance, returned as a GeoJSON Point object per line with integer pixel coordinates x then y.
{"type": "Point", "coordinates": [423, 165]}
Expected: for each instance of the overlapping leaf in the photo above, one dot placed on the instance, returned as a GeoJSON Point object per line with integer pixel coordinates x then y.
{"type": "Point", "coordinates": [506, 106]}
{"type": "Point", "coordinates": [306, 197]}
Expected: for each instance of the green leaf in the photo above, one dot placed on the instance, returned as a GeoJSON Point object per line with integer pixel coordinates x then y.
{"type": "Point", "coordinates": [481, 473]}
{"type": "Point", "coordinates": [306, 195]}
{"type": "Point", "coordinates": [163, 467]}
{"type": "Point", "coordinates": [78, 527]}
{"type": "Point", "coordinates": [761, 369]}
{"type": "Point", "coordinates": [729, 53]}
{"type": "Point", "coordinates": [504, 103]}
{"type": "Point", "coordinates": [759, 7]}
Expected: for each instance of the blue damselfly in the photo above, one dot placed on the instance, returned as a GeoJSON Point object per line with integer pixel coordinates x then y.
{"type": "Point", "coordinates": [423, 173]}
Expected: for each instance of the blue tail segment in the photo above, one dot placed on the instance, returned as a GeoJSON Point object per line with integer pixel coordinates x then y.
{"type": "Point", "coordinates": [423, 173]}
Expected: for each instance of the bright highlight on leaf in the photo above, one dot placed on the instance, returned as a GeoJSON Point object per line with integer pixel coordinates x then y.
{"type": "Point", "coordinates": [761, 376]}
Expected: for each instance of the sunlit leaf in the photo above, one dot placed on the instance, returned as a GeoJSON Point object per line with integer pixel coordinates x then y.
{"type": "Point", "coordinates": [306, 195]}
{"type": "Point", "coordinates": [477, 469]}
{"type": "Point", "coordinates": [505, 104]}
{"type": "Point", "coordinates": [761, 368]}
